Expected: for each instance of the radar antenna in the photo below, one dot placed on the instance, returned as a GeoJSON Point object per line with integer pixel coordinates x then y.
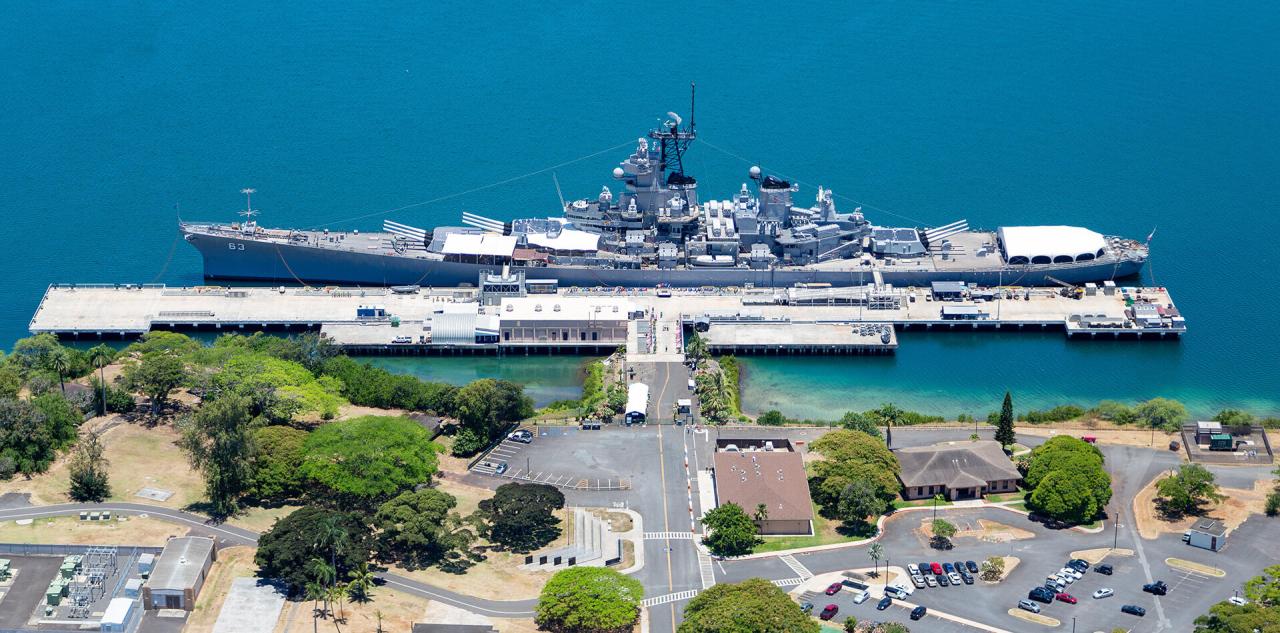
{"type": "Point", "coordinates": [248, 212]}
{"type": "Point", "coordinates": [673, 140]}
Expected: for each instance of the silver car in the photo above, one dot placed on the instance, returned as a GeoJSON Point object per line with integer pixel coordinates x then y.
{"type": "Point", "coordinates": [1027, 605]}
{"type": "Point", "coordinates": [1105, 592]}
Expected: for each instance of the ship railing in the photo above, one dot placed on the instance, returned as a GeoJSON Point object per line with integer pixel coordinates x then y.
{"type": "Point", "coordinates": [106, 286]}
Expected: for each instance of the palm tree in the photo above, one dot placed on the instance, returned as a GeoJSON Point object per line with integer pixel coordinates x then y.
{"type": "Point", "coordinates": [338, 594]}
{"type": "Point", "coordinates": [762, 512]}
{"type": "Point", "coordinates": [378, 614]}
{"type": "Point", "coordinates": [875, 551]}
{"type": "Point", "coordinates": [315, 593]}
{"type": "Point", "coordinates": [60, 364]}
{"type": "Point", "coordinates": [324, 575]}
{"type": "Point", "coordinates": [361, 584]}
{"type": "Point", "coordinates": [101, 356]}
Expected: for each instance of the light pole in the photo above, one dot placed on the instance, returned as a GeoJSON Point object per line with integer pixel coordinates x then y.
{"type": "Point", "coordinates": [1073, 624]}
{"type": "Point", "coordinates": [1115, 540]}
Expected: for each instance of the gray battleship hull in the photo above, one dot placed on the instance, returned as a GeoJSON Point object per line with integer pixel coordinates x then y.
{"type": "Point", "coordinates": [236, 259]}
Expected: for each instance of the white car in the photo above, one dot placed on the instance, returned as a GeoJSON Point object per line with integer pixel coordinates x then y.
{"type": "Point", "coordinates": [861, 596]}
{"type": "Point", "coordinates": [954, 578]}
{"type": "Point", "coordinates": [912, 569]}
{"type": "Point", "coordinates": [1105, 592]}
{"type": "Point", "coordinates": [1238, 601]}
{"type": "Point", "coordinates": [1075, 575]}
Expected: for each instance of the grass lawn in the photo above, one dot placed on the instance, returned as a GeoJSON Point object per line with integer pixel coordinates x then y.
{"type": "Point", "coordinates": [825, 531]}
{"type": "Point", "coordinates": [1019, 495]}
{"type": "Point", "coordinates": [260, 519]}
{"type": "Point", "coordinates": [1021, 505]}
{"type": "Point", "coordinates": [899, 504]}
{"type": "Point", "coordinates": [71, 530]}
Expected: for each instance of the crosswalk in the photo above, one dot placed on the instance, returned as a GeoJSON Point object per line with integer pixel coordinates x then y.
{"type": "Point", "coordinates": [705, 569]}
{"type": "Point", "coordinates": [789, 582]}
{"type": "Point", "coordinates": [675, 536]}
{"type": "Point", "coordinates": [671, 597]}
{"type": "Point", "coordinates": [796, 566]}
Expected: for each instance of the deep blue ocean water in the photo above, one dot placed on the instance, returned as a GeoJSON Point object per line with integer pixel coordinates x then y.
{"type": "Point", "coordinates": [1120, 116]}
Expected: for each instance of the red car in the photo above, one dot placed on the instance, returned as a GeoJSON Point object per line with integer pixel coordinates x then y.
{"type": "Point", "coordinates": [834, 588]}
{"type": "Point", "coordinates": [1066, 597]}
{"type": "Point", "coordinates": [829, 612]}
{"type": "Point", "coordinates": [936, 569]}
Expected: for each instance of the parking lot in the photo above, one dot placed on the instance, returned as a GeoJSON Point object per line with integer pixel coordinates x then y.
{"type": "Point", "coordinates": [559, 456]}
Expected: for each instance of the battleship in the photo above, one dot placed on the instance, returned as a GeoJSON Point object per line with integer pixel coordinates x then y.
{"type": "Point", "coordinates": [657, 231]}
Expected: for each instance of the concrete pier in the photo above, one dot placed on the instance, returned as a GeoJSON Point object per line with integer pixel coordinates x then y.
{"type": "Point", "coordinates": [646, 321]}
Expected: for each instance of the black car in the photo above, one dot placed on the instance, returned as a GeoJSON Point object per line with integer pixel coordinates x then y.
{"type": "Point", "coordinates": [918, 613]}
{"type": "Point", "coordinates": [1157, 588]}
{"type": "Point", "coordinates": [1133, 609]}
{"type": "Point", "coordinates": [967, 578]}
{"type": "Point", "coordinates": [1078, 564]}
{"type": "Point", "coordinates": [884, 603]}
{"type": "Point", "coordinates": [960, 566]}
{"type": "Point", "coordinates": [1041, 594]}
{"type": "Point", "coordinates": [971, 566]}
{"type": "Point", "coordinates": [1105, 570]}
{"type": "Point", "coordinates": [942, 581]}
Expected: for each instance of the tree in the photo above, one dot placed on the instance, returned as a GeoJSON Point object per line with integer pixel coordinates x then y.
{"type": "Point", "coordinates": [10, 383]}
{"type": "Point", "coordinates": [1261, 614]}
{"type": "Point", "coordinates": [1235, 421]}
{"type": "Point", "coordinates": [888, 416]}
{"type": "Point", "coordinates": [1273, 503]}
{"type": "Point", "coordinates": [1057, 452]}
{"type": "Point", "coordinates": [1004, 428]}
{"type": "Point", "coordinates": [519, 517]}
{"type": "Point", "coordinates": [286, 550]}
{"type": "Point", "coordinates": [860, 500]}
{"type": "Point", "coordinates": [218, 441]}
{"type": "Point", "coordinates": [100, 356]}
{"type": "Point", "coordinates": [155, 375]}
{"type": "Point", "coordinates": [850, 456]}
{"type": "Point", "coordinates": [589, 600]}
{"type": "Point", "coordinates": [772, 417]}
{"type": "Point", "coordinates": [411, 527]}
{"type": "Point", "coordinates": [752, 606]}
{"type": "Point", "coordinates": [88, 471]}
{"type": "Point", "coordinates": [159, 341]}
{"type": "Point", "coordinates": [1067, 496]}
{"type": "Point", "coordinates": [26, 444]}
{"type": "Point", "coordinates": [730, 531]}
{"type": "Point", "coordinates": [486, 406]}
{"type": "Point", "coordinates": [275, 463]}
{"type": "Point", "coordinates": [366, 460]}
{"type": "Point", "coordinates": [60, 364]}
{"type": "Point", "coordinates": [1161, 413]}
{"type": "Point", "coordinates": [61, 418]}
{"type": "Point", "coordinates": [696, 348]}
{"type": "Point", "coordinates": [851, 625]}
{"type": "Point", "coordinates": [992, 569]}
{"type": "Point", "coordinates": [761, 513]}
{"type": "Point", "coordinates": [855, 421]}
{"type": "Point", "coordinates": [360, 583]}
{"type": "Point", "coordinates": [1184, 492]}
{"type": "Point", "coordinates": [943, 530]}
{"type": "Point", "coordinates": [875, 551]}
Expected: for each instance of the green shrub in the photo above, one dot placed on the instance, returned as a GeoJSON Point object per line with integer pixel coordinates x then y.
{"type": "Point", "coordinates": [1059, 413]}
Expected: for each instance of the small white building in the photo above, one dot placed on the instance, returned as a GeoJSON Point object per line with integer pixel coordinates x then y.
{"type": "Point", "coordinates": [1208, 534]}
{"type": "Point", "coordinates": [179, 573]}
{"type": "Point", "coordinates": [116, 617]}
{"type": "Point", "coordinates": [637, 403]}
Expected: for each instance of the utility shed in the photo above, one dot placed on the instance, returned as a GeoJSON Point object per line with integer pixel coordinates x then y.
{"type": "Point", "coordinates": [1209, 534]}
{"type": "Point", "coordinates": [179, 573]}
{"type": "Point", "coordinates": [945, 290]}
{"type": "Point", "coordinates": [116, 617]}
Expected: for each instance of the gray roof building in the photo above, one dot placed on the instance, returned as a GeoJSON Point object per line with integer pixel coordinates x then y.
{"type": "Point", "coordinates": [959, 471]}
{"type": "Point", "coordinates": [179, 573]}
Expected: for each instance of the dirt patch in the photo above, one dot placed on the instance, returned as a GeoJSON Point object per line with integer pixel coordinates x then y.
{"type": "Point", "coordinates": [619, 522]}
{"type": "Point", "coordinates": [354, 411]}
{"type": "Point", "coordinates": [1097, 555]}
{"type": "Point", "coordinates": [261, 519]}
{"type": "Point", "coordinates": [399, 611]}
{"type": "Point", "coordinates": [233, 562]}
{"type": "Point", "coordinates": [1115, 436]}
{"type": "Point", "coordinates": [1010, 562]}
{"type": "Point", "coordinates": [994, 532]}
{"type": "Point", "coordinates": [69, 530]}
{"type": "Point", "coordinates": [1237, 506]}
{"type": "Point", "coordinates": [1034, 618]}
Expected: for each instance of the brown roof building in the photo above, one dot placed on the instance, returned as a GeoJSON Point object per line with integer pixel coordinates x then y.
{"type": "Point", "coordinates": [965, 470]}
{"type": "Point", "coordinates": [749, 474]}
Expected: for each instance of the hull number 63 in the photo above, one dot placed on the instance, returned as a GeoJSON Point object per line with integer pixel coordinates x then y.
{"type": "Point", "coordinates": [235, 246]}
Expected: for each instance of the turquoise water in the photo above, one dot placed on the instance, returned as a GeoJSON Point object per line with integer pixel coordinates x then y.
{"type": "Point", "coordinates": [545, 378]}
{"type": "Point", "coordinates": [1121, 116]}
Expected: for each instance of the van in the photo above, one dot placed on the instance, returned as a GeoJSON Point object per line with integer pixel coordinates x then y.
{"type": "Point", "coordinates": [898, 591]}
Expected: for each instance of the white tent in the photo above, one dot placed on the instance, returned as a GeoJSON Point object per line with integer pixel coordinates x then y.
{"type": "Point", "coordinates": [637, 402]}
{"type": "Point", "coordinates": [1050, 244]}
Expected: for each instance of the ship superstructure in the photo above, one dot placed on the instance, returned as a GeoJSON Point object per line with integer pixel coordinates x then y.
{"type": "Point", "coordinates": [657, 230]}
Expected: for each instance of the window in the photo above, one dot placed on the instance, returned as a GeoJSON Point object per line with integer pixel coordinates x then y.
{"type": "Point", "coordinates": [506, 335]}
{"type": "Point", "coordinates": [595, 336]}
{"type": "Point", "coordinates": [582, 335]}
